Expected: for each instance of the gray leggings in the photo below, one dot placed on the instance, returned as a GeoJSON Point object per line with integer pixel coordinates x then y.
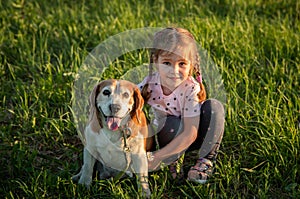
{"type": "Point", "coordinates": [210, 132]}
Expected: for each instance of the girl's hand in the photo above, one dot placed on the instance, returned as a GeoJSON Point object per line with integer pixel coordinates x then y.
{"type": "Point", "coordinates": [153, 161]}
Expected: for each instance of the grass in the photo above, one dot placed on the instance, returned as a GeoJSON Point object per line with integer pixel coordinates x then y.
{"type": "Point", "coordinates": [255, 45]}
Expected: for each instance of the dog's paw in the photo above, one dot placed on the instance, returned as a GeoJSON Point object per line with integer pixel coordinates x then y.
{"type": "Point", "coordinates": [75, 178]}
{"type": "Point", "coordinates": [85, 181]}
{"type": "Point", "coordinates": [81, 180]}
{"type": "Point", "coordinates": [129, 174]}
{"type": "Point", "coordinates": [147, 193]}
{"type": "Point", "coordinates": [146, 190]}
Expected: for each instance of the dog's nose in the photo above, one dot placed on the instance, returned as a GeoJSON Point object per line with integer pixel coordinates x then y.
{"type": "Point", "coordinates": [114, 108]}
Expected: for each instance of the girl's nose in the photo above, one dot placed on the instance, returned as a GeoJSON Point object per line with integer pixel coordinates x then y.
{"type": "Point", "coordinates": [175, 68]}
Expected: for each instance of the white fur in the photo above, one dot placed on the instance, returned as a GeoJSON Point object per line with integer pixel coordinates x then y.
{"type": "Point", "coordinates": [107, 146]}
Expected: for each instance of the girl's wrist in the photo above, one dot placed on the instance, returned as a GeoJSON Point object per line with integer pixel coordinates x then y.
{"type": "Point", "coordinates": [150, 156]}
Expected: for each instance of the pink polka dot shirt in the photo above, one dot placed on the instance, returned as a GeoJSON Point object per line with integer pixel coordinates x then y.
{"type": "Point", "coordinates": [183, 101]}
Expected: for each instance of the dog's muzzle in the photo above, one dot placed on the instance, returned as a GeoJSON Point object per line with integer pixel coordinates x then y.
{"type": "Point", "coordinates": [113, 123]}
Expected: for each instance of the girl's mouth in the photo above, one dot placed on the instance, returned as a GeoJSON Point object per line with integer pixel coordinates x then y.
{"type": "Point", "coordinates": [174, 78]}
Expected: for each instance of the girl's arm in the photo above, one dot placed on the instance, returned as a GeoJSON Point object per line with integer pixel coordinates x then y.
{"type": "Point", "coordinates": [179, 143]}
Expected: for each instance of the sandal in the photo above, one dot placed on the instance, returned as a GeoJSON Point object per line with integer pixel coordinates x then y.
{"type": "Point", "coordinates": [201, 171]}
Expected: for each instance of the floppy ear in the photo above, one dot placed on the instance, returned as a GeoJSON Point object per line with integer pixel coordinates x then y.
{"type": "Point", "coordinates": [139, 119]}
{"type": "Point", "coordinates": [94, 121]}
{"type": "Point", "coordinates": [137, 113]}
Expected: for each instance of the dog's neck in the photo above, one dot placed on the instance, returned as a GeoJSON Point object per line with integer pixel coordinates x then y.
{"type": "Point", "coordinates": [124, 131]}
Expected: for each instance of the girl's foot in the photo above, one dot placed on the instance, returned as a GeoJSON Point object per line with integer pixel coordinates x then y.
{"type": "Point", "coordinates": [201, 171]}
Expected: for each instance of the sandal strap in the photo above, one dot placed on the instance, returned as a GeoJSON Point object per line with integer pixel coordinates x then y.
{"type": "Point", "coordinates": [205, 161]}
{"type": "Point", "coordinates": [199, 169]}
{"type": "Point", "coordinates": [204, 164]}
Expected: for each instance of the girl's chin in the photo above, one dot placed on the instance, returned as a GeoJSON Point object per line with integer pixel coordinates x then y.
{"type": "Point", "coordinates": [172, 85]}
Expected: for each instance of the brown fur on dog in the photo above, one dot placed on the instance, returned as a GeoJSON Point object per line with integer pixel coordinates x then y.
{"type": "Point", "coordinates": [117, 132]}
{"type": "Point", "coordinates": [137, 114]}
{"type": "Point", "coordinates": [138, 118]}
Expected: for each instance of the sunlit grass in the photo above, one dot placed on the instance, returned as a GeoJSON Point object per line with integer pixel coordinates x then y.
{"type": "Point", "coordinates": [255, 45]}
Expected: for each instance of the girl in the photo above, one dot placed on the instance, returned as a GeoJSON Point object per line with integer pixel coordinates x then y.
{"type": "Point", "coordinates": [183, 119]}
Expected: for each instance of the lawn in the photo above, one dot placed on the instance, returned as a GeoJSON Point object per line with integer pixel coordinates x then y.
{"type": "Point", "coordinates": [254, 44]}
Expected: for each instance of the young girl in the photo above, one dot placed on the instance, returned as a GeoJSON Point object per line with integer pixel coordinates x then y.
{"type": "Point", "coordinates": [183, 119]}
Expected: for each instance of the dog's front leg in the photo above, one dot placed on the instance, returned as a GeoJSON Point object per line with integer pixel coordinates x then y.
{"type": "Point", "coordinates": [87, 168]}
{"type": "Point", "coordinates": [144, 183]}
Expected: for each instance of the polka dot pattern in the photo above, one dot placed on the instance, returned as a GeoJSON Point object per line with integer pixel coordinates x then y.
{"type": "Point", "coordinates": [182, 102]}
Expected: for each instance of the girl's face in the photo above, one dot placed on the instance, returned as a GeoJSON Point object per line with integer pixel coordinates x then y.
{"type": "Point", "coordinates": [173, 70]}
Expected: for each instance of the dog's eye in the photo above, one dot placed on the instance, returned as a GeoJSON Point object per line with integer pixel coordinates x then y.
{"type": "Point", "coordinates": [125, 95]}
{"type": "Point", "coordinates": [106, 92]}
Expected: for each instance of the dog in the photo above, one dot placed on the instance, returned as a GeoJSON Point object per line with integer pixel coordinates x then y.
{"type": "Point", "coordinates": [116, 133]}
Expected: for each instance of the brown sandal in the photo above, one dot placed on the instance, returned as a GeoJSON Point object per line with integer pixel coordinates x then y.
{"type": "Point", "coordinates": [201, 171]}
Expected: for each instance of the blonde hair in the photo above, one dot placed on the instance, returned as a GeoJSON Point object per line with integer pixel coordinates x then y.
{"type": "Point", "coordinates": [169, 40]}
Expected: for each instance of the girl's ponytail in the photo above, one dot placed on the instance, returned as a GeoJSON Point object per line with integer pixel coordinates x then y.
{"type": "Point", "coordinates": [202, 93]}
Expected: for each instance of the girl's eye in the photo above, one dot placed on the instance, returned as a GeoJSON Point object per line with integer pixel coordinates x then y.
{"type": "Point", "coordinates": [182, 63]}
{"type": "Point", "coordinates": [106, 92]}
{"type": "Point", "coordinates": [167, 63]}
{"type": "Point", "coordinates": [126, 95]}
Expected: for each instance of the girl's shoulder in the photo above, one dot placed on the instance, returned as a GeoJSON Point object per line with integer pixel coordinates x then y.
{"type": "Point", "coordinates": [190, 84]}
{"type": "Point", "coordinates": [192, 81]}
{"type": "Point", "coordinates": [189, 89]}
{"type": "Point", "coordinates": [149, 79]}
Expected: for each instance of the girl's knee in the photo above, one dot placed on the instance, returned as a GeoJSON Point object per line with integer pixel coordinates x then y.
{"type": "Point", "coordinates": [212, 113]}
{"type": "Point", "coordinates": [213, 106]}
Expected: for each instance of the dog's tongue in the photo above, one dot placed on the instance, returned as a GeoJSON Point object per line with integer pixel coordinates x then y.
{"type": "Point", "coordinates": [113, 123]}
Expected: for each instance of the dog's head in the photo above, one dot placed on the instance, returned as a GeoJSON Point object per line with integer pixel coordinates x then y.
{"type": "Point", "coordinates": [113, 100]}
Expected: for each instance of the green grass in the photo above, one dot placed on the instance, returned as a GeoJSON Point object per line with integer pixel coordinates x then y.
{"type": "Point", "coordinates": [255, 44]}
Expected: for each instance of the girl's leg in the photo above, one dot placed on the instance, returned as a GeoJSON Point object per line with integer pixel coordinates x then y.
{"type": "Point", "coordinates": [210, 135]}
{"type": "Point", "coordinates": [211, 129]}
{"type": "Point", "coordinates": [168, 131]}
{"type": "Point", "coordinates": [164, 133]}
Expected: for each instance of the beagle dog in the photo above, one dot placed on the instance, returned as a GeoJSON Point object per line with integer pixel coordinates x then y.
{"type": "Point", "coordinates": [116, 133]}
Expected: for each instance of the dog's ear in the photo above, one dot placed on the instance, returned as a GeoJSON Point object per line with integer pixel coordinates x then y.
{"type": "Point", "coordinates": [139, 119]}
{"type": "Point", "coordinates": [137, 113]}
{"type": "Point", "coordinates": [94, 119]}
